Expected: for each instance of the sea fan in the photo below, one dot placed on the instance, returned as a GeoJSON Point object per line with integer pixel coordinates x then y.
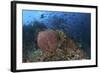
{"type": "Point", "coordinates": [47, 40]}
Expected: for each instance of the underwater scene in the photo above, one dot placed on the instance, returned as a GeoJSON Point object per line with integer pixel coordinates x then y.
{"type": "Point", "coordinates": [55, 36]}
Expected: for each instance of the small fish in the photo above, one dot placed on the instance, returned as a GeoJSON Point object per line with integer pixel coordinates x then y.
{"type": "Point", "coordinates": [42, 16]}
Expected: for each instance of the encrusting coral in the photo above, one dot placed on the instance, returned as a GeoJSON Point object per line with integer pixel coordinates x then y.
{"type": "Point", "coordinates": [56, 46]}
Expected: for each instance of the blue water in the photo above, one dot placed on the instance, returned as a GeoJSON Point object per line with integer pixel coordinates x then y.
{"type": "Point", "coordinates": [74, 24]}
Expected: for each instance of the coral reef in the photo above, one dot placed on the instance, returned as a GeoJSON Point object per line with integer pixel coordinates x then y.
{"type": "Point", "coordinates": [59, 55]}
{"type": "Point", "coordinates": [56, 46]}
